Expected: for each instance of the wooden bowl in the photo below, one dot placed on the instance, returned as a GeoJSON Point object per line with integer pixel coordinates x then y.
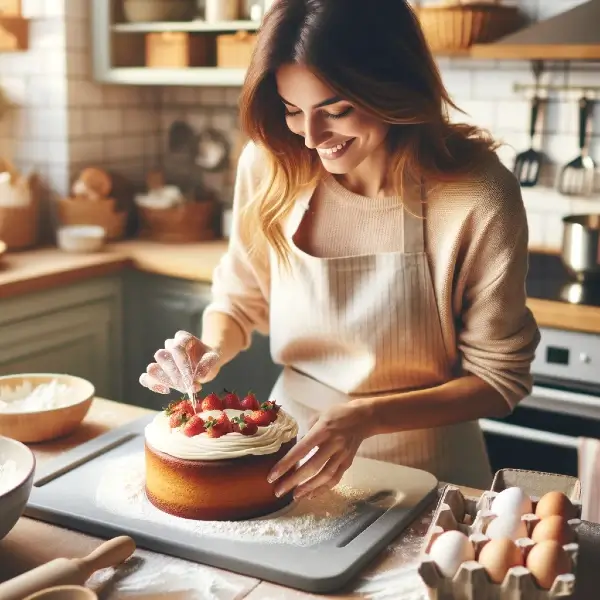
{"type": "Point", "coordinates": [48, 424]}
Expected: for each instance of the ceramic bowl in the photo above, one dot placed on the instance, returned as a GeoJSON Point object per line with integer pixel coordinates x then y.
{"type": "Point", "coordinates": [64, 592]}
{"type": "Point", "coordinates": [47, 423]}
{"type": "Point", "coordinates": [80, 238]}
{"type": "Point", "coordinates": [17, 466]}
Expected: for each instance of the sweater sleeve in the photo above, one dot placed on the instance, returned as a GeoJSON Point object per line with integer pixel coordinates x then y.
{"type": "Point", "coordinates": [241, 280]}
{"type": "Point", "coordinates": [497, 333]}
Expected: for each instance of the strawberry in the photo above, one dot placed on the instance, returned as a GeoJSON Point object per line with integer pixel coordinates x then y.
{"type": "Point", "coordinates": [249, 402]}
{"type": "Point", "coordinates": [272, 407]}
{"type": "Point", "coordinates": [212, 402]}
{"type": "Point", "coordinates": [262, 418]}
{"type": "Point", "coordinates": [194, 426]}
{"type": "Point", "coordinates": [219, 426]}
{"type": "Point", "coordinates": [211, 429]}
{"type": "Point", "coordinates": [182, 405]}
{"type": "Point", "coordinates": [231, 400]}
{"type": "Point", "coordinates": [243, 426]}
{"type": "Point", "coordinates": [177, 419]}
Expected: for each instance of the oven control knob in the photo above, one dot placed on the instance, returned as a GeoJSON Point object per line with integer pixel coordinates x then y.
{"type": "Point", "coordinates": [585, 358]}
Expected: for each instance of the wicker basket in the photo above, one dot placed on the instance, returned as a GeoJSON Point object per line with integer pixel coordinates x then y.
{"type": "Point", "coordinates": [457, 25]}
{"type": "Point", "coordinates": [75, 211]}
{"type": "Point", "coordinates": [191, 222]}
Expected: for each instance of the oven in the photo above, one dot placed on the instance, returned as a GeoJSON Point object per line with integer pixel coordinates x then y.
{"type": "Point", "coordinates": [542, 433]}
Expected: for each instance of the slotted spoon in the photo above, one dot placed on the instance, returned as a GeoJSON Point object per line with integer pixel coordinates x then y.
{"type": "Point", "coordinates": [528, 164]}
{"type": "Point", "coordinates": [577, 176]}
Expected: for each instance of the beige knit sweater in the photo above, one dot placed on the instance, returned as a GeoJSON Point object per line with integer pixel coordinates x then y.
{"type": "Point", "coordinates": [476, 239]}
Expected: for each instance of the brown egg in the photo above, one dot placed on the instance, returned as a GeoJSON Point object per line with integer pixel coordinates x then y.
{"type": "Point", "coordinates": [553, 528]}
{"type": "Point", "coordinates": [555, 503]}
{"type": "Point", "coordinates": [498, 556]}
{"type": "Point", "coordinates": [547, 560]}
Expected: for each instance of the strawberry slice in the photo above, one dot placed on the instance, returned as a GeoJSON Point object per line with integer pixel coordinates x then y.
{"type": "Point", "coordinates": [194, 426]}
{"type": "Point", "coordinates": [243, 426]}
{"type": "Point", "coordinates": [262, 418]}
{"type": "Point", "coordinates": [231, 400]}
{"type": "Point", "coordinates": [249, 402]}
{"type": "Point", "coordinates": [211, 402]}
{"type": "Point", "coordinates": [177, 419]}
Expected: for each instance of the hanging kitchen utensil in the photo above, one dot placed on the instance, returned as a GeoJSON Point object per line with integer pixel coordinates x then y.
{"type": "Point", "coordinates": [577, 176]}
{"type": "Point", "coordinates": [528, 164]}
{"type": "Point", "coordinates": [580, 250]}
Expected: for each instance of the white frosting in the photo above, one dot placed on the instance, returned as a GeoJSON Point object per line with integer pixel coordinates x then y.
{"type": "Point", "coordinates": [266, 440]}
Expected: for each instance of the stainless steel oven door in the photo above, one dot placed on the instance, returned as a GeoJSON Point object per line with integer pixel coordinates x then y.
{"type": "Point", "coordinates": [542, 433]}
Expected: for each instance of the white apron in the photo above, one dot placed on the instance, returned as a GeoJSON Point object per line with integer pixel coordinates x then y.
{"type": "Point", "coordinates": [368, 325]}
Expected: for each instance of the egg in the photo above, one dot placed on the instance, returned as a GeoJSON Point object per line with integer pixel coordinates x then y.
{"type": "Point", "coordinates": [553, 528]}
{"type": "Point", "coordinates": [498, 556]}
{"type": "Point", "coordinates": [506, 526]}
{"type": "Point", "coordinates": [450, 550]}
{"type": "Point", "coordinates": [547, 560]}
{"type": "Point", "coordinates": [512, 500]}
{"type": "Point", "coordinates": [555, 503]}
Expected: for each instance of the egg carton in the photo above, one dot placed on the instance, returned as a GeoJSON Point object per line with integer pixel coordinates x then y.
{"type": "Point", "coordinates": [471, 582]}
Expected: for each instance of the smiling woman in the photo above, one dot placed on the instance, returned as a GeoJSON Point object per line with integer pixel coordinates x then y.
{"type": "Point", "coordinates": [381, 245]}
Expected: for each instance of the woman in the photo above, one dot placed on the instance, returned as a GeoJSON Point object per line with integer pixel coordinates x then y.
{"type": "Point", "coordinates": [383, 247]}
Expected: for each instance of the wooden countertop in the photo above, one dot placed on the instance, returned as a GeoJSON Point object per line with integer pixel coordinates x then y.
{"type": "Point", "coordinates": [45, 268]}
{"type": "Point", "coordinates": [32, 543]}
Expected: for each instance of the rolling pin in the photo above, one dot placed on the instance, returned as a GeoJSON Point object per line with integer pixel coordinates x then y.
{"type": "Point", "coordinates": [68, 571]}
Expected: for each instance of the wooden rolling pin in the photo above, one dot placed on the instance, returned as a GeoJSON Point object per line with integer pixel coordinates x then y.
{"type": "Point", "coordinates": [68, 571]}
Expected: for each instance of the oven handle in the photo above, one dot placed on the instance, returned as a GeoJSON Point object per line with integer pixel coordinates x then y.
{"type": "Point", "coordinates": [528, 434]}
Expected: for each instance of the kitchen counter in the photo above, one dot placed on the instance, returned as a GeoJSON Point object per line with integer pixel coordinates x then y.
{"type": "Point", "coordinates": [32, 543]}
{"type": "Point", "coordinates": [40, 269]}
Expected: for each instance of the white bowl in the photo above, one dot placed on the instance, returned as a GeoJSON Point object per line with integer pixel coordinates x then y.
{"type": "Point", "coordinates": [48, 423]}
{"type": "Point", "coordinates": [17, 466]}
{"type": "Point", "coordinates": [80, 238]}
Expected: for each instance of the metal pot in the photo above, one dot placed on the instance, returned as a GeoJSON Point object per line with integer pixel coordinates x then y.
{"type": "Point", "coordinates": [581, 245]}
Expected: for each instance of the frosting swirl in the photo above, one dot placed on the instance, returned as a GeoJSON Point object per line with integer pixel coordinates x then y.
{"type": "Point", "coordinates": [267, 440]}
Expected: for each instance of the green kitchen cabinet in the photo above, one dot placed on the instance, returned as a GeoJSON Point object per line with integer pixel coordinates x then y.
{"type": "Point", "coordinates": [156, 307]}
{"type": "Point", "coordinates": [74, 329]}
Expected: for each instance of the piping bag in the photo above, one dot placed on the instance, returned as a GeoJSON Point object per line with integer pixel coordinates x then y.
{"type": "Point", "coordinates": [68, 571]}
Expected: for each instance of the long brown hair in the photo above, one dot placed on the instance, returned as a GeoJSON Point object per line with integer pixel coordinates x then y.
{"type": "Point", "coordinates": [372, 54]}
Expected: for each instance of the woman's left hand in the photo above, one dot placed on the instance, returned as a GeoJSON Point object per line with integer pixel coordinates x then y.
{"type": "Point", "coordinates": [336, 435]}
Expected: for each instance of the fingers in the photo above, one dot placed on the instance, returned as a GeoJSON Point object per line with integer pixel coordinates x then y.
{"type": "Point", "coordinates": [309, 469]}
{"type": "Point", "coordinates": [205, 365]}
{"type": "Point", "coordinates": [153, 384]}
{"type": "Point", "coordinates": [315, 487]}
{"type": "Point", "coordinates": [167, 363]}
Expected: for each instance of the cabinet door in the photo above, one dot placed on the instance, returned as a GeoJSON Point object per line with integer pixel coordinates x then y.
{"type": "Point", "coordinates": [74, 330]}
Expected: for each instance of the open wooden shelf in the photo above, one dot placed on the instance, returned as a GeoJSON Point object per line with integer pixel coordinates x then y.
{"type": "Point", "coordinates": [502, 51]}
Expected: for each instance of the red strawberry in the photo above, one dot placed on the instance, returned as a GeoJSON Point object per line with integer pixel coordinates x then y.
{"type": "Point", "coordinates": [262, 418]}
{"type": "Point", "coordinates": [194, 426]}
{"type": "Point", "coordinates": [182, 405]}
{"type": "Point", "coordinates": [250, 402]}
{"type": "Point", "coordinates": [241, 425]}
{"type": "Point", "coordinates": [212, 402]}
{"type": "Point", "coordinates": [224, 424]}
{"type": "Point", "coordinates": [211, 428]}
{"type": "Point", "coordinates": [178, 418]}
{"type": "Point", "coordinates": [231, 400]}
{"type": "Point", "coordinates": [219, 426]}
{"type": "Point", "coordinates": [272, 407]}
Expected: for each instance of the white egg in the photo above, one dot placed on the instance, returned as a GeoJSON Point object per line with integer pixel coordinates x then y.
{"type": "Point", "coordinates": [512, 500]}
{"type": "Point", "coordinates": [506, 526]}
{"type": "Point", "coordinates": [450, 550]}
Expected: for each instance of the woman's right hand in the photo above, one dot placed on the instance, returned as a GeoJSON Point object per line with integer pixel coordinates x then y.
{"type": "Point", "coordinates": [184, 364]}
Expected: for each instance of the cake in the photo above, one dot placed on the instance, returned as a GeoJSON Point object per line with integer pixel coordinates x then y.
{"type": "Point", "coordinates": [209, 459]}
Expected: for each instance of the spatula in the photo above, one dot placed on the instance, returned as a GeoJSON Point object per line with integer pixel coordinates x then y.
{"type": "Point", "coordinates": [63, 571]}
{"type": "Point", "coordinates": [577, 177]}
{"type": "Point", "coordinates": [528, 163]}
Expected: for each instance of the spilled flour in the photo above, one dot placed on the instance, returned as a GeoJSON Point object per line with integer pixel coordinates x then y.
{"type": "Point", "coordinates": [9, 475]}
{"type": "Point", "coordinates": [304, 523]}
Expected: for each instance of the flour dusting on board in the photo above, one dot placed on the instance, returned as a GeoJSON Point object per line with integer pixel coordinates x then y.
{"type": "Point", "coordinates": [305, 523]}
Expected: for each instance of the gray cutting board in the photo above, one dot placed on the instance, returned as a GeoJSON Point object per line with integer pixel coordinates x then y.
{"type": "Point", "coordinates": [64, 494]}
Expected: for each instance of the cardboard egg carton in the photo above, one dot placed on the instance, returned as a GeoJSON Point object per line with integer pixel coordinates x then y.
{"type": "Point", "coordinates": [471, 516]}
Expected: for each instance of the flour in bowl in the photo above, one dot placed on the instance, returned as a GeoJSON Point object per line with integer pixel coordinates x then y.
{"type": "Point", "coordinates": [121, 491]}
{"type": "Point", "coordinates": [9, 475]}
{"type": "Point", "coordinates": [27, 397]}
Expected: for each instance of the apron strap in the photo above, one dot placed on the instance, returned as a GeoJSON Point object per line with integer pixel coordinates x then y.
{"type": "Point", "coordinates": [413, 219]}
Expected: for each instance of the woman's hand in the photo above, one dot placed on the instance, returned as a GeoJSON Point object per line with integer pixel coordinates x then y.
{"type": "Point", "coordinates": [183, 365]}
{"type": "Point", "coordinates": [335, 436]}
